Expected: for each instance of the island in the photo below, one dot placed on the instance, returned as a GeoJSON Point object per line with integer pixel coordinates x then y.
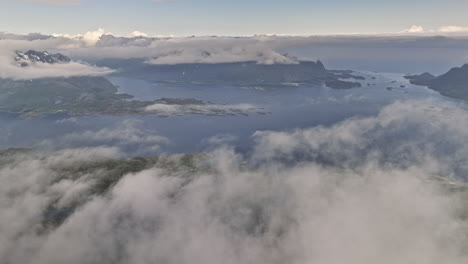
{"type": "Point", "coordinates": [452, 84]}
{"type": "Point", "coordinates": [249, 73]}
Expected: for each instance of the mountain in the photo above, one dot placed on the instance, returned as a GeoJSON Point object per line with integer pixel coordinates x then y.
{"type": "Point", "coordinates": [237, 73]}
{"type": "Point", "coordinates": [73, 95]}
{"type": "Point", "coordinates": [24, 59]}
{"type": "Point", "coordinates": [453, 84]}
{"type": "Point", "coordinates": [424, 79]}
{"type": "Point", "coordinates": [83, 94]}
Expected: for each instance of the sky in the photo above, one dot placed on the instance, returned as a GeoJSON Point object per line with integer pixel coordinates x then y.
{"type": "Point", "coordinates": [228, 17]}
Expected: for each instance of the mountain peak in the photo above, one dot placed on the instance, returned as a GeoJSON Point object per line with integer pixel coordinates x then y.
{"type": "Point", "coordinates": [24, 59]}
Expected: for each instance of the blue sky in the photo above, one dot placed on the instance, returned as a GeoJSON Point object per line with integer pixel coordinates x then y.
{"type": "Point", "coordinates": [229, 17]}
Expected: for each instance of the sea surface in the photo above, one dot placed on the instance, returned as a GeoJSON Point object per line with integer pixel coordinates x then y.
{"type": "Point", "coordinates": [280, 109]}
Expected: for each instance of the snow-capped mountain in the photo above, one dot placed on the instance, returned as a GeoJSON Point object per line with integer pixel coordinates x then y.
{"type": "Point", "coordinates": [24, 59]}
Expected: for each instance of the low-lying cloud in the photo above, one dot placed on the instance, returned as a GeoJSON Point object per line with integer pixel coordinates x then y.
{"type": "Point", "coordinates": [393, 52]}
{"type": "Point", "coordinates": [441, 30]}
{"type": "Point", "coordinates": [10, 69]}
{"type": "Point", "coordinates": [203, 109]}
{"type": "Point", "coordinates": [381, 189]}
{"type": "Point", "coordinates": [43, 70]}
{"type": "Point", "coordinates": [129, 135]}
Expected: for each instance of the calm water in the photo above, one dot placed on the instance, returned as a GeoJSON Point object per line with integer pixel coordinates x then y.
{"type": "Point", "coordinates": [291, 108]}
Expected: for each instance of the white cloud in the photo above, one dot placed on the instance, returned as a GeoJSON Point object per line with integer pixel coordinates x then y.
{"type": "Point", "coordinates": [441, 30]}
{"type": "Point", "coordinates": [261, 49]}
{"type": "Point", "coordinates": [204, 109]}
{"type": "Point", "coordinates": [215, 50]}
{"type": "Point", "coordinates": [452, 29]}
{"type": "Point", "coordinates": [89, 38]}
{"type": "Point", "coordinates": [367, 190]}
{"type": "Point", "coordinates": [220, 139]}
{"type": "Point", "coordinates": [137, 33]}
{"type": "Point", "coordinates": [43, 70]}
{"type": "Point", "coordinates": [414, 29]}
{"type": "Point", "coordinates": [128, 134]}
{"type": "Point", "coordinates": [10, 69]}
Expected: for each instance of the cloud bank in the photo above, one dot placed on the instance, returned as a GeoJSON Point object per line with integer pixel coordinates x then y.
{"type": "Point", "coordinates": [381, 189]}
{"type": "Point", "coordinates": [42, 70]}
{"type": "Point", "coordinates": [441, 30]}
{"type": "Point", "coordinates": [393, 53]}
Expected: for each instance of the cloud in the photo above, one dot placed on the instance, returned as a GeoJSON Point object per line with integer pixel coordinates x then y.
{"type": "Point", "coordinates": [42, 70]}
{"type": "Point", "coordinates": [392, 53]}
{"type": "Point", "coordinates": [169, 50]}
{"type": "Point", "coordinates": [89, 38]}
{"type": "Point", "coordinates": [221, 139]}
{"type": "Point", "coordinates": [10, 69]}
{"type": "Point", "coordinates": [216, 50]}
{"type": "Point", "coordinates": [203, 109]}
{"type": "Point", "coordinates": [381, 189]}
{"type": "Point", "coordinates": [414, 29]}
{"type": "Point", "coordinates": [453, 29]}
{"type": "Point", "coordinates": [129, 135]}
{"type": "Point", "coordinates": [186, 50]}
{"type": "Point", "coordinates": [137, 33]}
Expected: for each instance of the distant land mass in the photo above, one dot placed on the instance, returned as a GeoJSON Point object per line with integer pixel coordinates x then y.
{"type": "Point", "coordinates": [86, 95]}
{"type": "Point", "coordinates": [238, 73]}
{"type": "Point", "coordinates": [97, 95]}
{"type": "Point", "coordinates": [452, 84]}
{"type": "Point", "coordinates": [93, 95]}
{"type": "Point", "coordinates": [74, 95]}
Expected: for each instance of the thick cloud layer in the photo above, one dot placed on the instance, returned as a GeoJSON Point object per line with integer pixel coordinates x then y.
{"type": "Point", "coordinates": [395, 53]}
{"type": "Point", "coordinates": [382, 189]}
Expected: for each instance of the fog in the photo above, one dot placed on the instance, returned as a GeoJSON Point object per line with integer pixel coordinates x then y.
{"type": "Point", "coordinates": [382, 189]}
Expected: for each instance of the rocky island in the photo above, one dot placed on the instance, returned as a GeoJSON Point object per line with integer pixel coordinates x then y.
{"type": "Point", "coordinates": [452, 84]}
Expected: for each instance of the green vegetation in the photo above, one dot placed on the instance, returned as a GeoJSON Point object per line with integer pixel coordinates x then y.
{"type": "Point", "coordinates": [75, 95]}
